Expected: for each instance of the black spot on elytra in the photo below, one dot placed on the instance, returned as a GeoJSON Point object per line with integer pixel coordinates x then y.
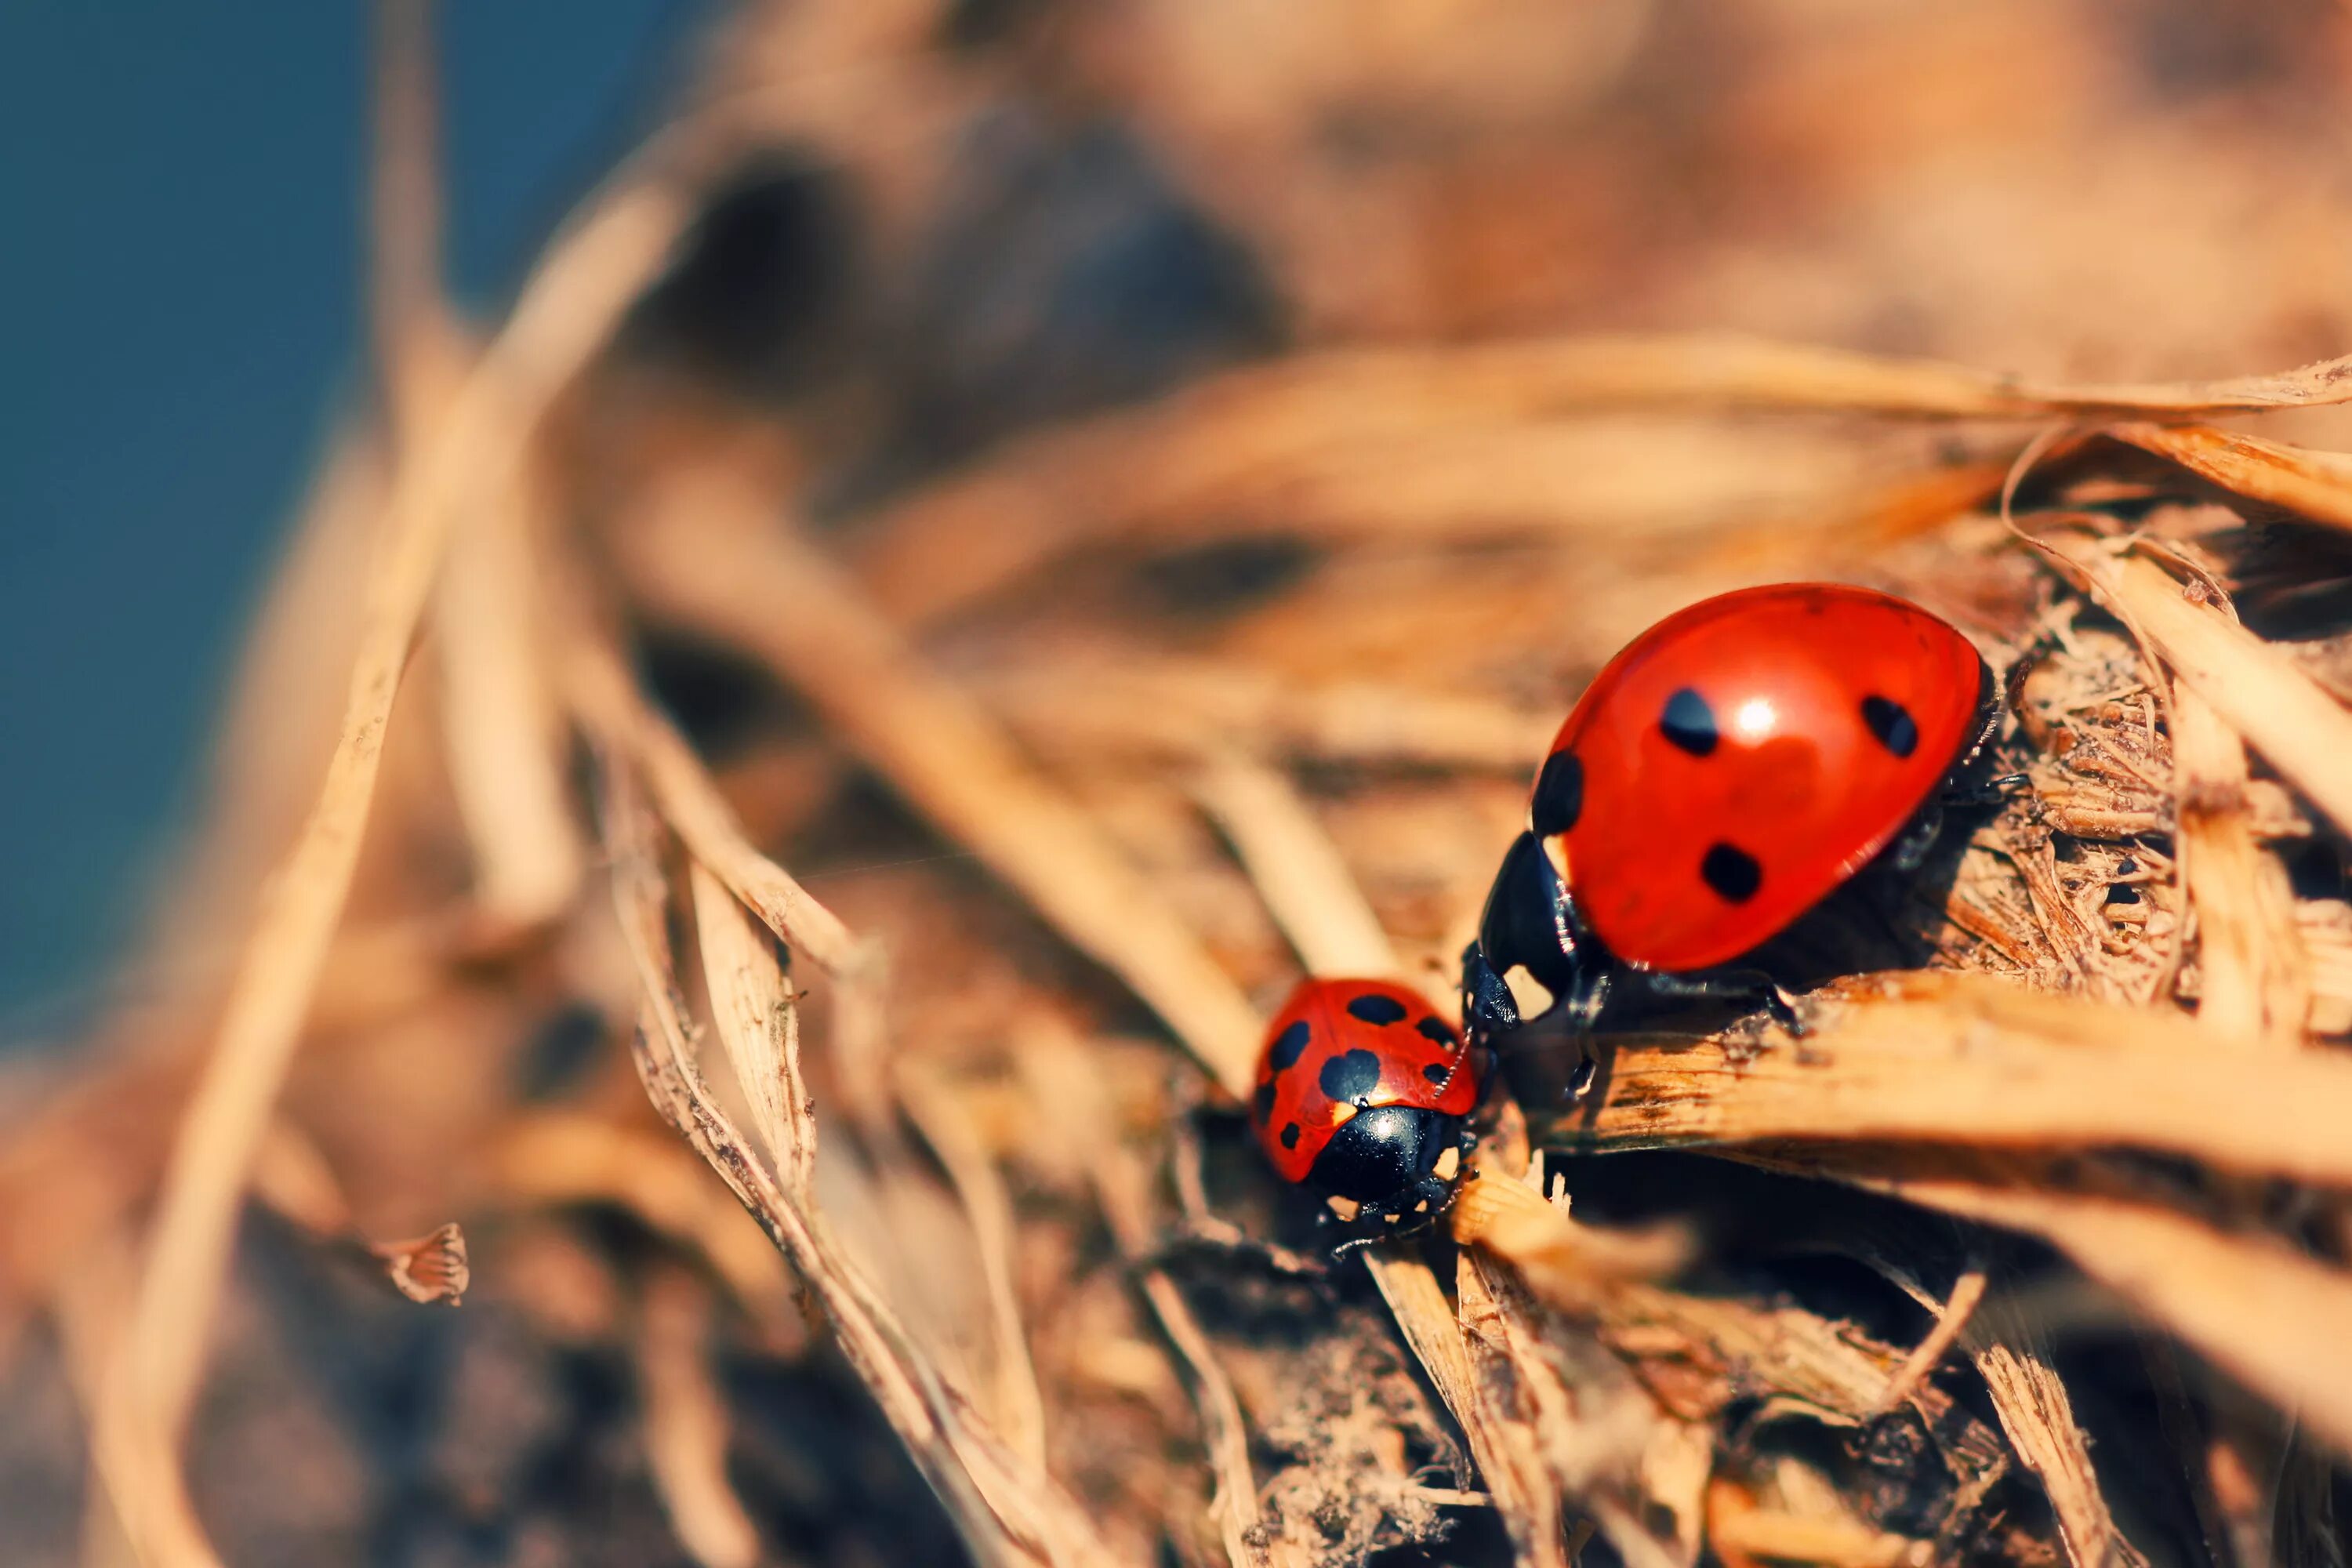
{"type": "Point", "coordinates": [1290, 1136]}
{"type": "Point", "coordinates": [1284, 1053]}
{"type": "Point", "coordinates": [1559, 795]}
{"type": "Point", "coordinates": [1732, 872]}
{"type": "Point", "coordinates": [1262, 1104]}
{"type": "Point", "coordinates": [1438, 1072]}
{"type": "Point", "coordinates": [1350, 1075]}
{"type": "Point", "coordinates": [1433, 1028]}
{"type": "Point", "coordinates": [1688, 722]}
{"type": "Point", "coordinates": [1374, 1008]}
{"type": "Point", "coordinates": [1892, 723]}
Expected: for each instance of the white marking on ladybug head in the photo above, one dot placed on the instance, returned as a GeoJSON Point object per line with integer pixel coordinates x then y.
{"type": "Point", "coordinates": [1346, 1208]}
{"type": "Point", "coordinates": [1447, 1163]}
{"type": "Point", "coordinates": [1530, 995]}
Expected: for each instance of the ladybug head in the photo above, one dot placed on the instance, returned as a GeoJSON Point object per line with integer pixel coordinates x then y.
{"type": "Point", "coordinates": [1530, 925]}
{"type": "Point", "coordinates": [1393, 1163]}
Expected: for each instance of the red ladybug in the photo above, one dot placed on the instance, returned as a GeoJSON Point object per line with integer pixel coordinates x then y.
{"type": "Point", "coordinates": [1364, 1095]}
{"type": "Point", "coordinates": [1722, 776]}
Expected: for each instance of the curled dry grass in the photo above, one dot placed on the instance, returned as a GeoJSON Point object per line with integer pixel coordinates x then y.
{"type": "Point", "coordinates": [1012, 1236]}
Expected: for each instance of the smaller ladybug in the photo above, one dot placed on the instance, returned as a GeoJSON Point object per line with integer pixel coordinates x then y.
{"type": "Point", "coordinates": [1364, 1095]}
{"type": "Point", "coordinates": [1722, 776]}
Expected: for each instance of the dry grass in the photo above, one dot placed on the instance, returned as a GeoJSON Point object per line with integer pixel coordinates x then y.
{"type": "Point", "coordinates": [1047, 730]}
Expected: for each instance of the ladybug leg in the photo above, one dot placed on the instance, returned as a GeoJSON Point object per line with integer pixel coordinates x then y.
{"type": "Point", "coordinates": [1488, 1009]}
{"type": "Point", "coordinates": [1748, 988]}
{"type": "Point", "coordinates": [1988, 792]}
{"type": "Point", "coordinates": [1909, 850]}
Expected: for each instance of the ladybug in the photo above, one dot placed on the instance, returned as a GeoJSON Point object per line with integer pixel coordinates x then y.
{"type": "Point", "coordinates": [1364, 1096]}
{"type": "Point", "coordinates": [1722, 774]}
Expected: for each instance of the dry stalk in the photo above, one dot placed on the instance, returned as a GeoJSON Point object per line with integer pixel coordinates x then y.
{"type": "Point", "coordinates": [1952, 1317]}
{"type": "Point", "coordinates": [1296, 870]}
{"type": "Point", "coordinates": [2038, 1414]}
{"type": "Point", "coordinates": [2013, 1355]}
{"type": "Point", "coordinates": [1211, 440]}
{"type": "Point", "coordinates": [2201, 1283]}
{"type": "Point", "coordinates": [1954, 1057]}
{"type": "Point", "coordinates": [503, 730]}
{"type": "Point", "coordinates": [555, 1159]}
{"type": "Point", "coordinates": [2296, 726]}
{"type": "Point", "coordinates": [1006, 1512]}
{"type": "Point", "coordinates": [2254, 982]}
{"type": "Point", "coordinates": [1185, 710]}
{"type": "Point", "coordinates": [564, 316]}
{"type": "Point", "coordinates": [1018, 1407]}
{"type": "Point", "coordinates": [504, 738]}
{"type": "Point", "coordinates": [1509, 1459]}
{"type": "Point", "coordinates": [1752, 1534]}
{"type": "Point", "coordinates": [1122, 1189]}
{"type": "Point", "coordinates": [1484, 1360]}
{"type": "Point", "coordinates": [610, 708]}
{"type": "Point", "coordinates": [1523, 1404]}
{"type": "Point", "coordinates": [2316, 484]}
{"type": "Point", "coordinates": [759, 1026]}
{"type": "Point", "coordinates": [686, 1423]}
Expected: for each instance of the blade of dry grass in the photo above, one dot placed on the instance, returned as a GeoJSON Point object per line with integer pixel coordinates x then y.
{"type": "Point", "coordinates": [502, 729]}
{"type": "Point", "coordinates": [2311, 484]}
{"type": "Point", "coordinates": [1018, 1407]}
{"type": "Point", "coordinates": [1122, 1189]}
{"type": "Point", "coordinates": [503, 738]}
{"type": "Point", "coordinates": [1296, 868]}
{"type": "Point", "coordinates": [1188, 710]}
{"type": "Point", "coordinates": [943, 547]}
{"type": "Point", "coordinates": [2297, 727]}
{"type": "Point", "coordinates": [686, 1423]}
{"type": "Point", "coordinates": [611, 707]}
{"type": "Point", "coordinates": [1952, 1316]}
{"type": "Point", "coordinates": [759, 1026]}
{"type": "Point", "coordinates": [1006, 1513]}
{"type": "Point", "coordinates": [404, 293]}
{"type": "Point", "coordinates": [559, 1158]}
{"type": "Point", "coordinates": [1953, 1058]}
{"type": "Point", "coordinates": [564, 315]}
{"type": "Point", "coordinates": [1509, 1462]}
{"type": "Point", "coordinates": [2203, 1284]}
{"type": "Point", "coordinates": [1525, 1491]}
{"type": "Point", "coordinates": [1765, 1535]}
{"type": "Point", "coordinates": [2013, 1355]}
{"type": "Point", "coordinates": [712, 553]}
{"type": "Point", "coordinates": [2038, 1413]}
{"type": "Point", "coordinates": [2255, 981]}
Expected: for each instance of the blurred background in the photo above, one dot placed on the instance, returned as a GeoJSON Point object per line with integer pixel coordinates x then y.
{"type": "Point", "coordinates": [2120, 187]}
{"type": "Point", "coordinates": [2029, 187]}
{"type": "Point", "coordinates": [183, 262]}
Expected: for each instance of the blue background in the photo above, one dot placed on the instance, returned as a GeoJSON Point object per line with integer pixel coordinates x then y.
{"type": "Point", "coordinates": [182, 211]}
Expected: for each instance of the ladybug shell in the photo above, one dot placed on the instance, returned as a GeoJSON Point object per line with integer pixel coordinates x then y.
{"type": "Point", "coordinates": [1338, 1045]}
{"type": "Point", "coordinates": [1743, 757]}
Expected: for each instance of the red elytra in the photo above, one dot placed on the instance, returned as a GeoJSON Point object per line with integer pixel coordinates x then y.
{"type": "Point", "coordinates": [1375, 1057]}
{"type": "Point", "coordinates": [1742, 758]}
